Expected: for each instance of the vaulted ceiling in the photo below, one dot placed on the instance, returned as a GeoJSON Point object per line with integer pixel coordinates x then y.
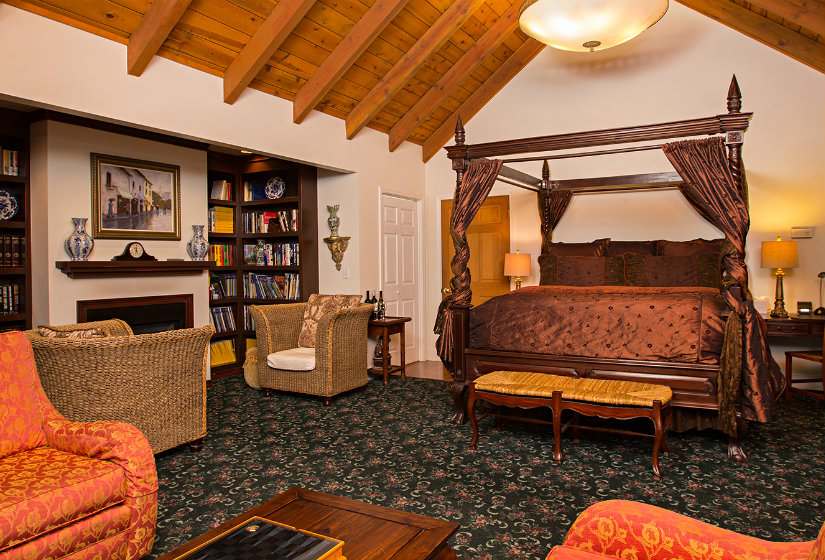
{"type": "Point", "coordinates": [403, 67]}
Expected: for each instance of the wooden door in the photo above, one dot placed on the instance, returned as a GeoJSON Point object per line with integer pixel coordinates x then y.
{"type": "Point", "coordinates": [489, 239]}
{"type": "Point", "coordinates": [399, 231]}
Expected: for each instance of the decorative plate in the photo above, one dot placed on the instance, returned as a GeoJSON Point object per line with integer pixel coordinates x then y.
{"type": "Point", "coordinates": [275, 187]}
{"type": "Point", "coordinates": [8, 205]}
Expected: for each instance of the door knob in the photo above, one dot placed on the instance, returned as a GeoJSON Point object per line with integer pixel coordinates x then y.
{"type": "Point", "coordinates": [445, 291]}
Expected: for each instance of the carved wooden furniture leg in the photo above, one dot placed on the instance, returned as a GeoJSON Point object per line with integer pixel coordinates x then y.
{"type": "Point", "coordinates": [196, 445]}
{"type": "Point", "coordinates": [471, 405]}
{"type": "Point", "coordinates": [556, 407]}
{"type": "Point", "coordinates": [788, 375]}
{"type": "Point", "coordinates": [736, 452]}
{"type": "Point", "coordinates": [267, 392]}
{"type": "Point", "coordinates": [327, 401]}
{"type": "Point", "coordinates": [385, 364]}
{"type": "Point", "coordinates": [657, 438]}
{"type": "Point", "coordinates": [457, 392]}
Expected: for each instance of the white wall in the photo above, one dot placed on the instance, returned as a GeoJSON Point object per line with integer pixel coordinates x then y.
{"type": "Point", "coordinates": [678, 69]}
{"type": "Point", "coordinates": [61, 190]}
{"type": "Point", "coordinates": [58, 66]}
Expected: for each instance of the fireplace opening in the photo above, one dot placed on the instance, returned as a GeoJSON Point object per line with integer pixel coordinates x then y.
{"type": "Point", "coordinates": [149, 314]}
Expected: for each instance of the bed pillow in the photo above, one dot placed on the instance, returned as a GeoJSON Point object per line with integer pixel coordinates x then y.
{"type": "Point", "coordinates": [619, 248]}
{"type": "Point", "coordinates": [50, 332]}
{"type": "Point", "coordinates": [683, 271]}
{"type": "Point", "coordinates": [592, 249]}
{"type": "Point", "coordinates": [581, 271]}
{"type": "Point", "coordinates": [687, 248]}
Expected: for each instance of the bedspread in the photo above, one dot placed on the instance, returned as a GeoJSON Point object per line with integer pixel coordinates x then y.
{"type": "Point", "coordinates": [622, 322]}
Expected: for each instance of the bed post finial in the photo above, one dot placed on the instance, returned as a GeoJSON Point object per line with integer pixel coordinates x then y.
{"type": "Point", "coordinates": [545, 175]}
{"type": "Point", "coordinates": [459, 132]}
{"type": "Point", "coordinates": [734, 96]}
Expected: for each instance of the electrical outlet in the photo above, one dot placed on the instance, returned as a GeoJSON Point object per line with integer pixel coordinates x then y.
{"type": "Point", "coordinates": [346, 273]}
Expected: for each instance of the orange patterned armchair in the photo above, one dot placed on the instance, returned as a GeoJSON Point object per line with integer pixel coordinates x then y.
{"type": "Point", "coordinates": [70, 490]}
{"type": "Point", "coordinates": [635, 531]}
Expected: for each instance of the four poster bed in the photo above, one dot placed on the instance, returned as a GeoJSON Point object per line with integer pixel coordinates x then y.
{"type": "Point", "coordinates": [672, 313]}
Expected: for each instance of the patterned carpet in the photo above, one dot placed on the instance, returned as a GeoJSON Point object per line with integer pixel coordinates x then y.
{"type": "Point", "coordinates": [394, 447]}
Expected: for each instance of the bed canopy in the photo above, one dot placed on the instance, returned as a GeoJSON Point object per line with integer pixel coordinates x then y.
{"type": "Point", "coordinates": [709, 173]}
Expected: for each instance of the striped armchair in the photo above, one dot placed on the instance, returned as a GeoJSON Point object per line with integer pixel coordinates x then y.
{"type": "Point", "coordinates": [338, 360]}
{"type": "Point", "coordinates": [156, 382]}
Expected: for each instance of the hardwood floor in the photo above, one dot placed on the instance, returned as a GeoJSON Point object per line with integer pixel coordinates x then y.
{"type": "Point", "coordinates": [427, 370]}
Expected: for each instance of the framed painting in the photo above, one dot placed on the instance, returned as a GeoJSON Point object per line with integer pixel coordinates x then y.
{"type": "Point", "coordinates": [134, 199]}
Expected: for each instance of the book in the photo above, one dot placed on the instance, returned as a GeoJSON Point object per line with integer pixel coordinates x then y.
{"type": "Point", "coordinates": [221, 190]}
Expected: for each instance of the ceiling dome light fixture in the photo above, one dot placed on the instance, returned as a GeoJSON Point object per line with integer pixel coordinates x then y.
{"type": "Point", "coordinates": [588, 25]}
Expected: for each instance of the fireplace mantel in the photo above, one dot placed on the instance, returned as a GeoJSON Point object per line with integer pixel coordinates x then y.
{"type": "Point", "coordinates": [106, 269]}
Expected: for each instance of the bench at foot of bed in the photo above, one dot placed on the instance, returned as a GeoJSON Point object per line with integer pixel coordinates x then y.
{"type": "Point", "coordinates": [603, 398]}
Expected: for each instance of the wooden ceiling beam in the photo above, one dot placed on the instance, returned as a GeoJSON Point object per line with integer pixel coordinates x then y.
{"type": "Point", "coordinates": [763, 29]}
{"type": "Point", "coordinates": [807, 13]}
{"type": "Point", "coordinates": [262, 45]}
{"type": "Point", "coordinates": [344, 56]}
{"type": "Point", "coordinates": [151, 32]}
{"type": "Point", "coordinates": [474, 56]}
{"type": "Point", "coordinates": [480, 97]}
{"type": "Point", "coordinates": [432, 40]}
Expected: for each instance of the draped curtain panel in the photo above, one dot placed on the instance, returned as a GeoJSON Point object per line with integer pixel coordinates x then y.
{"type": "Point", "coordinates": [552, 206]}
{"type": "Point", "coordinates": [712, 189]}
{"type": "Point", "coordinates": [469, 196]}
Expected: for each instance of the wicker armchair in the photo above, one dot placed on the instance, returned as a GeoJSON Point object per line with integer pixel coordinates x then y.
{"type": "Point", "coordinates": [156, 382]}
{"type": "Point", "coordinates": [340, 349]}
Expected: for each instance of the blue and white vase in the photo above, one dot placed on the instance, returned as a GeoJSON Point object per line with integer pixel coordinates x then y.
{"type": "Point", "coordinates": [197, 246]}
{"type": "Point", "coordinates": [333, 221]}
{"type": "Point", "coordinates": [79, 244]}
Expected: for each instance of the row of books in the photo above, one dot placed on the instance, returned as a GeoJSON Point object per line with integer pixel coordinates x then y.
{"type": "Point", "coordinates": [268, 286]}
{"type": "Point", "coordinates": [11, 162]}
{"type": "Point", "coordinates": [221, 219]}
{"type": "Point", "coordinates": [283, 221]}
{"type": "Point", "coordinates": [222, 318]}
{"type": "Point", "coordinates": [12, 249]}
{"type": "Point", "coordinates": [221, 190]}
{"type": "Point", "coordinates": [221, 254]}
{"type": "Point", "coordinates": [272, 254]}
{"type": "Point", "coordinates": [221, 352]}
{"type": "Point", "coordinates": [10, 298]}
{"type": "Point", "coordinates": [222, 286]}
{"type": "Point", "coordinates": [248, 322]}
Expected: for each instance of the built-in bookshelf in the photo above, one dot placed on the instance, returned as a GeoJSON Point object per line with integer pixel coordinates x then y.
{"type": "Point", "coordinates": [262, 231]}
{"type": "Point", "coordinates": [15, 219]}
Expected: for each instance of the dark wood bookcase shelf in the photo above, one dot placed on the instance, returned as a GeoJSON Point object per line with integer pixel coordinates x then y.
{"type": "Point", "coordinates": [301, 196]}
{"type": "Point", "coordinates": [16, 280]}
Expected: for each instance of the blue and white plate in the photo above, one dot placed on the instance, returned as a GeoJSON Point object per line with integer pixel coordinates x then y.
{"type": "Point", "coordinates": [275, 187]}
{"type": "Point", "coordinates": [8, 205]}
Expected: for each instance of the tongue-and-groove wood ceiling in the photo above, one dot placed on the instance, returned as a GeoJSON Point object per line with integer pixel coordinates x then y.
{"type": "Point", "coordinates": [404, 67]}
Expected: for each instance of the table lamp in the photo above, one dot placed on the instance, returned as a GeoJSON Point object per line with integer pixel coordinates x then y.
{"type": "Point", "coordinates": [517, 264]}
{"type": "Point", "coordinates": [779, 255]}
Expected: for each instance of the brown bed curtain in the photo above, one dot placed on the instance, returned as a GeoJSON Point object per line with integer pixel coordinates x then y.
{"type": "Point", "coordinates": [711, 188]}
{"type": "Point", "coordinates": [469, 196]}
{"type": "Point", "coordinates": [552, 205]}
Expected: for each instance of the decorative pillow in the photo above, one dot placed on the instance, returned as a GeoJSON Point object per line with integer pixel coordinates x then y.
{"type": "Point", "coordinates": [22, 425]}
{"type": "Point", "coordinates": [687, 248]}
{"type": "Point", "coordinates": [619, 248]}
{"type": "Point", "coordinates": [593, 249]}
{"type": "Point", "coordinates": [581, 271]}
{"type": "Point", "coordinates": [49, 332]}
{"type": "Point", "coordinates": [317, 305]}
{"type": "Point", "coordinates": [683, 271]}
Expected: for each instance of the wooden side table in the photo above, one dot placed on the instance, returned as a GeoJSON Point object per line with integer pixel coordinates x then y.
{"type": "Point", "coordinates": [796, 325]}
{"type": "Point", "coordinates": [384, 328]}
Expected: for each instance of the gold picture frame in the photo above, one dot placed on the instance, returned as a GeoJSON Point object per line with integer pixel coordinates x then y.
{"type": "Point", "coordinates": [134, 199]}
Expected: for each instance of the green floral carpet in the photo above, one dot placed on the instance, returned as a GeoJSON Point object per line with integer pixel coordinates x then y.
{"type": "Point", "coordinates": [393, 446]}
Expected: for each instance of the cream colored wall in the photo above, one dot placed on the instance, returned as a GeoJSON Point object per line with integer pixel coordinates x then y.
{"type": "Point", "coordinates": [678, 69]}
{"type": "Point", "coordinates": [61, 189]}
{"type": "Point", "coordinates": [61, 67]}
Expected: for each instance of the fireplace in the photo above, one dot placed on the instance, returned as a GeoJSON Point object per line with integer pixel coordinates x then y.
{"type": "Point", "coordinates": [147, 314]}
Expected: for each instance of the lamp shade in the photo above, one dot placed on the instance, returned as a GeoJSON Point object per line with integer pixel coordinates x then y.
{"type": "Point", "coordinates": [517, 264]}
{"type": "Point", "coordinates": [779, 254]}
{"type": "Point", "coordinates": [588, 25]}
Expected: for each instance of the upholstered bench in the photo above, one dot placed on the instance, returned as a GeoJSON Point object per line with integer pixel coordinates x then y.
{"type": "Point", "coordinates": [605, 398]}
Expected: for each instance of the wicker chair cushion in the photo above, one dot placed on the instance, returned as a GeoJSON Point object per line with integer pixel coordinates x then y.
{"type": "Point", "coordinates": [48, 332]}
{"type": "Point", "coordinates": [604, 391]}
{"type": "Point", "coordinates": [44, 489]}
{"type": "Point", "coordinates": [294, 359]}
{"type": "Point", "coordinates": [317, 305]}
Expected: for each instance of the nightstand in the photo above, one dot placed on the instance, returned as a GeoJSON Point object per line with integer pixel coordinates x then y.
{"type": "Point", "coordinates": [796, 326]}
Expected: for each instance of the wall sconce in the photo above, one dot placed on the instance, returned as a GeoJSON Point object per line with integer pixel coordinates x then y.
{"type": "Point", "coordinates": [336, 243]}
{"type": "Point", "coordinates": [517, 264]}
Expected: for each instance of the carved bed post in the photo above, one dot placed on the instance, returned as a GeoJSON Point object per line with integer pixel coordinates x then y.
{"type": "Point", "coordinates": [734, 139]}
{"type": "Point", "coordinates": [544, 198]}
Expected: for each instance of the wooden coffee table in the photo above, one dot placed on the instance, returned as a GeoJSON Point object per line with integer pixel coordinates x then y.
{"type": "Point", "coordinates": [369, 532]}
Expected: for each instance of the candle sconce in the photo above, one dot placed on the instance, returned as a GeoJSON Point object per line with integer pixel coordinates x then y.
{"type": "Point", "coordinates": [336, 243]}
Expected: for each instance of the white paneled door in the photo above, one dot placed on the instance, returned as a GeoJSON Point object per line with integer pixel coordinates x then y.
{"type": "Point", "coordinates": [399, 266]}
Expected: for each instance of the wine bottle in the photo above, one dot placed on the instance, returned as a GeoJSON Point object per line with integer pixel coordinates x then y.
{"type": "Point", "coordinates": [381, 307]}
{"type": "Point", "coordinates": [367, 299]}
{"type": "Point", "coordinates": [374, 302]}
